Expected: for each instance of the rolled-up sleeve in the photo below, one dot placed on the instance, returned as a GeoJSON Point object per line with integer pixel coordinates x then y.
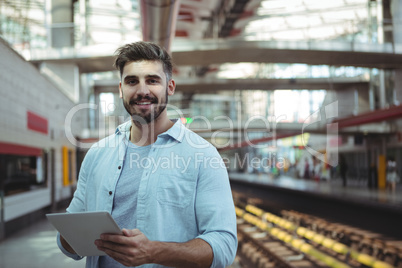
{"type": "Point", "coordinates": [215, 211]}
{"type": "Point", "coordinates": [65, 252]}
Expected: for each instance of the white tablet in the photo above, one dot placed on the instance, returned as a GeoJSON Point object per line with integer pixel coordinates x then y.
{"type": "Point", "coordinates": [81, 229]}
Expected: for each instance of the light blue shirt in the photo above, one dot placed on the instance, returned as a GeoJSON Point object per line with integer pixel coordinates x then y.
{"type": "Point", "coordinates": [125, 198]}
{"type": "Point", "coordinates": [184, 192]}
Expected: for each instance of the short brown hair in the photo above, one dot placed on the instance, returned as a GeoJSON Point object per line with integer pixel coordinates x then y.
{"type": "Point", "coordinates": [140, 51]}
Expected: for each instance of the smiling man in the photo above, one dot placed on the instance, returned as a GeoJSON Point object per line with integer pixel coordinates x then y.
{"type": "Point", "coordinates": [172, 215]}
{"type": "Point", "coordinates": [143, 90]}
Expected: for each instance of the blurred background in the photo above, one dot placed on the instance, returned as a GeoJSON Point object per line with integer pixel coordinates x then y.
{"type": "Point", "coordinates": [299, 94]}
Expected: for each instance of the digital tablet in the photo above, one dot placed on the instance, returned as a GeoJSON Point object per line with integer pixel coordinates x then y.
{"type": "Point", "coordinates": [81, 229]}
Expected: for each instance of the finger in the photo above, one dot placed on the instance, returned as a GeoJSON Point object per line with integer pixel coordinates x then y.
{"type": "Point", "coordinates": [118, 238]}
{"type": "Point", "coordinates": [115, 238]}
{"type": "Point", "coordinates": [119, 257]}
{"type": "Point", "coordinates": [107, 245]}
{"type": "Point", "coordinates": [114, 251]}
{"type": "Point", "coordinates": [121, 254]}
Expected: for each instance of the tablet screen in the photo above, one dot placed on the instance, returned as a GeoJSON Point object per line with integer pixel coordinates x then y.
{"type": "Point", "coordinates": [81, 229]}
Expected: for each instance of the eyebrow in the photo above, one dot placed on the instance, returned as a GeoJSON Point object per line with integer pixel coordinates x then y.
{"type": "Point", "coordinates": [155, 76]}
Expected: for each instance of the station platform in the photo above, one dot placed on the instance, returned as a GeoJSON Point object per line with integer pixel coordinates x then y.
{"type": "Point", "coordinates": [35, 247]}
{"type": "Point", "coordinates": [355, 191]}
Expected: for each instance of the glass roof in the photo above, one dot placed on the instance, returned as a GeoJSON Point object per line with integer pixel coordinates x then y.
{"type": "Point", "coordinates": [309, 20]}
{"type": "Point", "coordinates": [26, 25]}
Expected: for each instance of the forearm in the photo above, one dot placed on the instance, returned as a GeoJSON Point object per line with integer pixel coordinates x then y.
{"type": "Point", "coordinates": [194, 253]}
{"type": "Point", "coordinates": [66, 245]}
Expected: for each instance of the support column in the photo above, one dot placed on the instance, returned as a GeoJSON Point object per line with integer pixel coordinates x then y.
{"type": "Point", "coordinates": [382, 89]}
{"type": "Point", "coordinates": [396, 11]}
{"type": "Point", "coordinates": [62, 23]}
{"type": "Point", "coordinates": [60, 28]}
{"type": "Point", "coordinates": [372, 94]}
{"type": "Point", "coordinates": [52, 172]}
{"type": "Point", "coordinates": [380, 21]}
{"type": "Point", "coordinates": [2, 179]}
{"type": "Point", "coordinates": [83, 23]}
{"type": "Point", "coordinates": [382, 166]}
{"type": "Point", "coordinates": [2, 233]}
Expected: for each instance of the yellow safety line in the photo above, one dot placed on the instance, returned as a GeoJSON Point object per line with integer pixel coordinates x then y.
{"type": "Point", "coordinates": [319, 239]}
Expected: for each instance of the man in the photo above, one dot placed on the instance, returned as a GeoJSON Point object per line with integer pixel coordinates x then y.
{"type": "Point", "coordinates": [166, 186]}
{"type": "Point", "coordinates": [343, 169]}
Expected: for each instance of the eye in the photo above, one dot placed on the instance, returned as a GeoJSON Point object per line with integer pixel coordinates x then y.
{"type": "Point", "coordinates": [131, 82]}
{"type": "Point", "coordinates": [153, 81]}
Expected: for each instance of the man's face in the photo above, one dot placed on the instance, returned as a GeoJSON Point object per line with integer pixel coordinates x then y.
{"type": "Point", "coordinates": [145, 91]}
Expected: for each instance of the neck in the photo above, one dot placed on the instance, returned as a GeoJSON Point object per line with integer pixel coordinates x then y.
{"type": "Point", "coordinates": [147, 134]}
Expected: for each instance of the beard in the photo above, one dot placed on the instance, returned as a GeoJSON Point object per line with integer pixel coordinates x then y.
{"type": "Point", "coordinates": [142, 117]}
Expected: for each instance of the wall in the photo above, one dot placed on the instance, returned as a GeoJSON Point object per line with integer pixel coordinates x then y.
{"type": "Point", "coordinates": [24, 89]}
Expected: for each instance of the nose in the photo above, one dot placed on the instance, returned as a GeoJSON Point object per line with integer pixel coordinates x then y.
{"type": "Point", "coordinates": [143, 89]}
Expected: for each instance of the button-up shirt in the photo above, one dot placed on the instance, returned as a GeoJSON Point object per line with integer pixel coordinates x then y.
{"type": "Point", "coordinates": [184, 192]}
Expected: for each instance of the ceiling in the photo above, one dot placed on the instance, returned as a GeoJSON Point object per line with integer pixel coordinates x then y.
{"type": "Point", "coordinates": [286, 24]}
{"type": "Point", "coordinates": [214, 33]}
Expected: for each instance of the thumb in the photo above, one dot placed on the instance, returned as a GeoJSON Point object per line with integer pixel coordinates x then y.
{"type": "Point", "coordinates": [131, 232]}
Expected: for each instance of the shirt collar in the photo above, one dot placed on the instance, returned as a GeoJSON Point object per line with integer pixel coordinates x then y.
{"type": "Point", "coordinates": [125, 127]}
{"type": "Point", "coordinates": [176, 131]}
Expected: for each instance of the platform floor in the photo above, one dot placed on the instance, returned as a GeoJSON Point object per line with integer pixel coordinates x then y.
{"type": "Point", "coordinates": [35, 247]}
{"type": "Point", "coordinates": [355, 190]}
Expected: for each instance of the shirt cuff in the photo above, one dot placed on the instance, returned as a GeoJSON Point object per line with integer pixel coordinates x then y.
{"type": "Point", "coordinates": [223, 247]}
{"type": "Point", "coordinates": [65, 252]}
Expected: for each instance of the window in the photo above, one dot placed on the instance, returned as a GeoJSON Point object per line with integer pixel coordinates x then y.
{"type": "Point", "coordinates": [22, 173]}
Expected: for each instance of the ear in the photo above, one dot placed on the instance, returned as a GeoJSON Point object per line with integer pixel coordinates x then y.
{"type": "Point", "coordinates": [171, 87]}
{"type": "Point", "coordinates": [120, 91]}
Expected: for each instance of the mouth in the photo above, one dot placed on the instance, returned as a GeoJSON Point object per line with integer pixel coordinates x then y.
{"type": "Point", "coordinates": [143, 100]}
{"type": "Point", "coordinates": [143, 103]}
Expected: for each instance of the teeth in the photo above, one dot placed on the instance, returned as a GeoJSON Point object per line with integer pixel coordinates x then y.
{"type": "Point", "coordinates": [143, 103]}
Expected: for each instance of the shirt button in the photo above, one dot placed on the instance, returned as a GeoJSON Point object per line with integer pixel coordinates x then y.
{"type": "Point", "coordinates": [110, 192]}
{"type": "Point", "coordinates": [119, 167]}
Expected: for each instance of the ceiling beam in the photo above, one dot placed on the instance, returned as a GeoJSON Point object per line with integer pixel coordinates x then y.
{"type": "Point", "coordinates": [201, 53]}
